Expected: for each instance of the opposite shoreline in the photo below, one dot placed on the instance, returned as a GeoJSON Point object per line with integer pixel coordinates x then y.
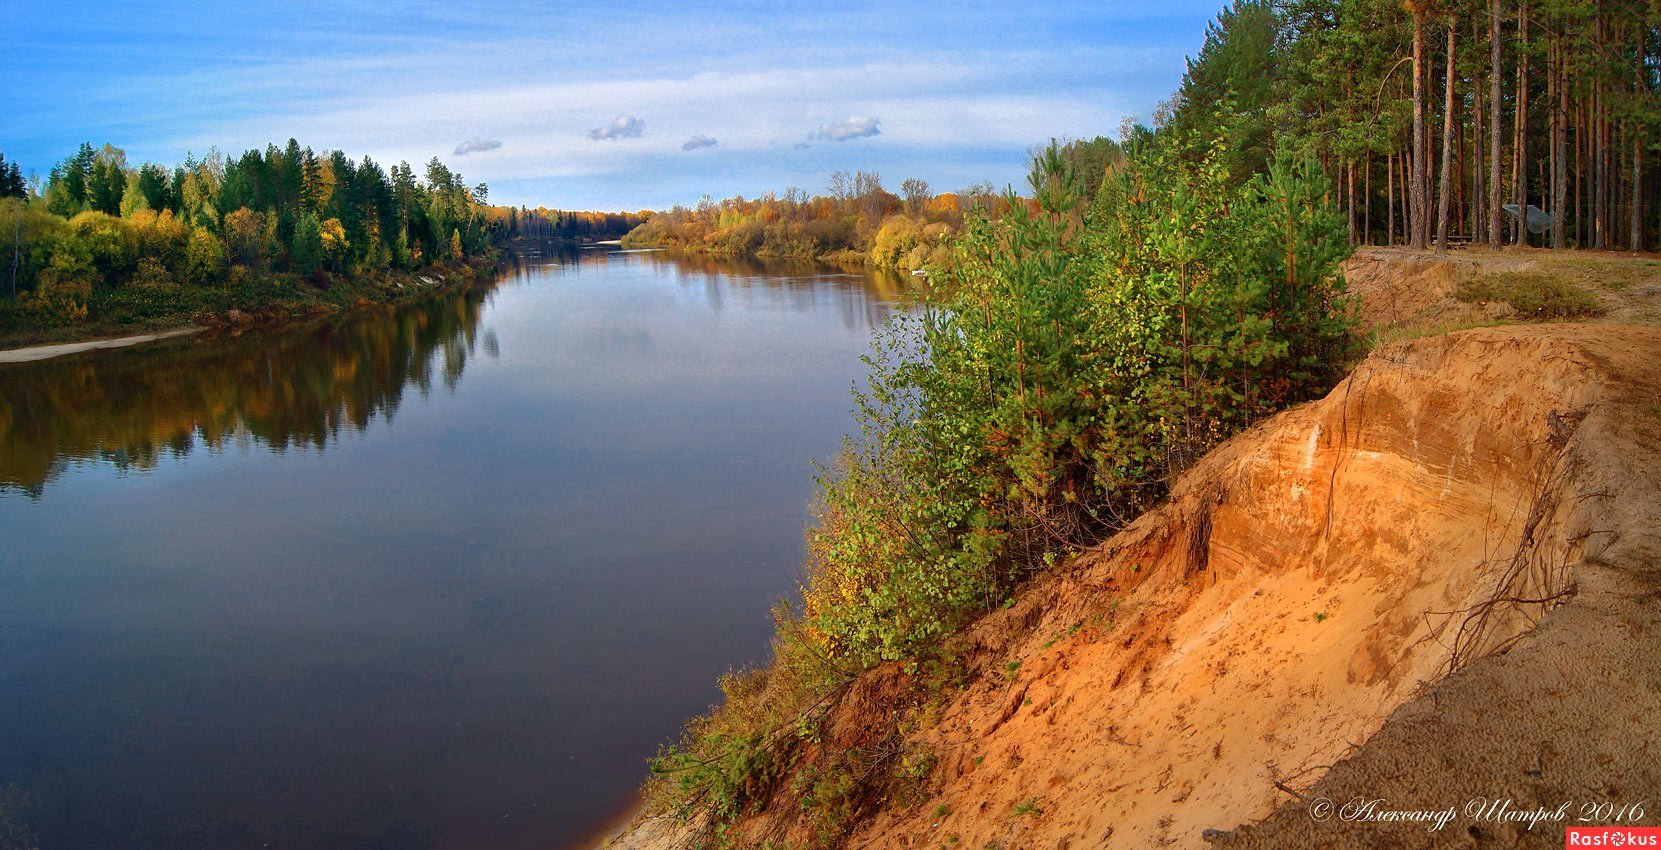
{"type": "Point", "coordinates": [358, 294]}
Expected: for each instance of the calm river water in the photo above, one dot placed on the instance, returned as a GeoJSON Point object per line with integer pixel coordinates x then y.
{"type": "Point", "coordinates": [435, 576]}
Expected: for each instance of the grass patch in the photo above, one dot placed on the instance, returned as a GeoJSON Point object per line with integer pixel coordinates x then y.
{"type": "Point", "coordinates": [1609, 273]}
{"type": "Point", "coordinates": [1531, 294]}
{"type": "Point", "coordinates": [1380, 337]}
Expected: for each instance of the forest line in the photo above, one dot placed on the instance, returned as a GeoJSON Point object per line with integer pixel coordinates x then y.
{"type": "Point", "coordinates": [104, 244]}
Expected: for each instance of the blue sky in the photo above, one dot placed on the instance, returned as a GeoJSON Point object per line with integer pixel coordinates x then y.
{"type": "Point", "coordinates": [596, 106]}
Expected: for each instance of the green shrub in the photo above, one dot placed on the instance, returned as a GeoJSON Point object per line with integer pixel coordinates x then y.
{"type": "Point", "coordinates": [1069, 362]}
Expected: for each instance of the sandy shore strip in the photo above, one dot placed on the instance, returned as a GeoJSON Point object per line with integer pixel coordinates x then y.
{"type": "Point", "coordinates": [46, 352]}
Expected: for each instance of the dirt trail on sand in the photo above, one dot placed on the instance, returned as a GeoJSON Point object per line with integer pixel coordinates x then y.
{"type": "Point", "coordinates": [1311, 583]}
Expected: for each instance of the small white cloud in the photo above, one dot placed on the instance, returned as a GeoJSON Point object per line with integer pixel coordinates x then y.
{"type": "Point", "coordinates": [477, 146]}
{"type": "Point", "coordinates": [621, 127]}
{"type": "Point", "coordinates": [699, 141]}
{"type": "Point", "coordinates": [852, 128]}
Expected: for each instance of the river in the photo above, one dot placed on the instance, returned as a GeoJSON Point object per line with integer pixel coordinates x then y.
{"type": "Point", "coordinates": [440, 575]}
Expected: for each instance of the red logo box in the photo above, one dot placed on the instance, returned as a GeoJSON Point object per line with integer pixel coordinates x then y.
{"type": "Point", "coordinates": [1612, 836]}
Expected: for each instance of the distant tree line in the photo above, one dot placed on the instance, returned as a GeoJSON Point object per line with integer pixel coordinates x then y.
{"type": "Point", "coordinates": [1430, 116]}
{"type": "Point", "coordinates": [543, 224]}
{"type": "Point", "coordinates": [857, 218]}
{"type": "Point", "coordinates": [99, 221]}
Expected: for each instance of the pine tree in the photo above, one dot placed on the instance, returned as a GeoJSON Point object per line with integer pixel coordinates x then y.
{"type": "Point", "coordinates": [11, 180]}
{"type": "Point", "coordinates": [306, 254]}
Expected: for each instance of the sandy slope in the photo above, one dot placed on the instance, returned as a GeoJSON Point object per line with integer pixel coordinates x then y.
{"type": "Point", "coordinates": [1572, 712]}
{"type": "Point", "coordinates": [1348, 541]}
{"type": "Point", "coordinates": [1300, 604]}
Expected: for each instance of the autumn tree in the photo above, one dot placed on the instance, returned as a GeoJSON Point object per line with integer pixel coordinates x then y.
{"type": "Point", "coordinates": [245, 237]}
{"type": "Point", "coordinates": [916, 191]}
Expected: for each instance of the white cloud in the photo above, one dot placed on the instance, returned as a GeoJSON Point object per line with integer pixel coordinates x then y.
{"type": "Point", "coordinates": [699, 141]}
{"type": "Point", "coordinates": [935, 111]}
{"type": "Point", "coordinates": [851, 128]}
{"type": "Point", "coordinates": [476, 146]}
{"type": "Point", "coordinates": [621, 127]}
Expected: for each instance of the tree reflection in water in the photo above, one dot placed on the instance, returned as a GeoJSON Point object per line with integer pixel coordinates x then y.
{"type": "Point", "coordinates": [286, 389]}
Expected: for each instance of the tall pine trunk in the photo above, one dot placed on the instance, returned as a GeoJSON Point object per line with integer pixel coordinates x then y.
{"type": "Point", "coordinates": [1479, 168]}
{"type": "Point", "coordinates": [1560, 148]}
{"type": "Point", "coordinates": [1519, 152]}
{"type": "Point", "coordinates": [1600, 149]}
{"type": "Point", "coordinates": [1419, 227]}
{"type": "Point", "coordinates": [1600, 160]}
{"type": "Point", "coordinates": [1495, 117]}
{"type": "Point", "coordinates": [1580, 173]}
{"type": "Point", "coordinates": [1390, 202]}
{"type": "Point", "coordinates": [1635, 239]}
{"type": "Point", "coordinates": [1443, 189]}
{"type": "Point", "coordinates": [1367, 199]}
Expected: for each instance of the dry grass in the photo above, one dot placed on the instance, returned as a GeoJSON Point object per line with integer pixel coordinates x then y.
{"type": "Point", "coordinates": [1612, 273]}
{"type": "Point", "coordinates": [1533, 295]}
{"type": "Point", "coordinates": [1410, 331]}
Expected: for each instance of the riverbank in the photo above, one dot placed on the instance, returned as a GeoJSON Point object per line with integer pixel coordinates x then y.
{"type": "Point", "coordinates": [134, 315]}
{"type": "Point", "coordinates": [1404, 572]}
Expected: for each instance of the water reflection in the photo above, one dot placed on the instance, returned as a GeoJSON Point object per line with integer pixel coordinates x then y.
{"type": "Point", "coordinates": [864, 298]}
{"type": "Point", "coordinates": [792, 284]}
{"type": "Point", "coordinates": [281, 390]}
{"type": "Point", "coordinates": [476, 558]}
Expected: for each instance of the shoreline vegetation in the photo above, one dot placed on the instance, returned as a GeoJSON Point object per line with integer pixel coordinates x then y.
{"type": "Point", "coordinates": [856, 222]}
{"type": "Point", "coordinates": [103, 249]}
{"type": "Point", "coordinates": [1083, 344]}
{"type": "Point", "coordinates": [1071, 358]}
{"type": "Point", "coordinates": [130, 319]}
